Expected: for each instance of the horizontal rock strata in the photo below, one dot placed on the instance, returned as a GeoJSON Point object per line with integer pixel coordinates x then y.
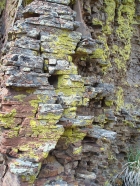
{"type": "Point", "coordinates": [69, 95]}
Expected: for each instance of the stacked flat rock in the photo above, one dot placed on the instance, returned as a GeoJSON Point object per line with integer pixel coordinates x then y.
{"type": "Point", "coordinates": [38, 46]}
{"type": "Point", "coordinates": [62, 114]}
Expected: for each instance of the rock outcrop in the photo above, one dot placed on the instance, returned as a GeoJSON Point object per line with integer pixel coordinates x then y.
{"type": "Point", "coordinates": [69, 95]}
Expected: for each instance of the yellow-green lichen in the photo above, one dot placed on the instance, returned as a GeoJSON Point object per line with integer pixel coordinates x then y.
{"type": "Point", "coordinates": [62, 43]}
{"type": "Point", "coordinates": [100, 118]}
{"type": "Point", "coordinates": [68, 132]}
{"type": "Point", "coordinates": [107, 183]}
{"type": "Point", "coordinates": [111, 156]}
{"type": "Point", "coordinates": [70, 91]}
{"type": "Point", "coordinates": [96, 21]}
{"type": "Point", "coordinates": [125, 18]}
{"type": "Point", "coordinates": [2, 5]}
{"type": "Point", "coordinates": [64, 81]}
{"type": "Point", "coordinates": [40, 99]}
{"type": "Point", "coordinates": [102, 52]}
{"type": "Point", "coordinates": [85, 102]}
{"type": "Point", "coordinates": [13, 132]}
{"type": "Point", "coordinates": [109, 9]}
{"type": "Point", "coordinates": [7, 120]}
{"type": "Point", "coordinates": [108, 103]}
{"type": "Point", "coordinates": [69, 58]}
{"type": "Point", "coordinates": [70, 70]}
{"type": "Point", "coordinates": [129, 106]}
{"type": "Point", "coordinates": [34, 104]}
{"type": "Point", "coordinates": [73, 135]}
{"type": "Point", "coordinates": [125, 28]}
{"type": "Point", "coordinates": [70, 112]}
{"type": "Point", "coordinates": [124, 32]}
{"type": "Point", "coordinates": [48, 131]}
{"type": "Point", "coordinates": [129, 123]}
{"type": "Point", "coordinates": [30, 91]}
{"type": "Point", "coordinates": [46, 62]}
{"type": "Point", "coordinates": [106, 54]}
{"type": "Point", "coordinates": [37, 128]}
{"type": "Point", "coordinates": [30, 151]}
{"type": "Point", "coordinates": [98, 53]}
{"type": "Point", "coordinates": [20, 97]}
{"type": "Point", "coordinates": [43, 98]}
{"type": "Point", "coordinates": [119, 99]}
{"type": "Point", "coordinates": [50, 117]}
{"type": "Point", "coordinates": [122, 54]}
{"type": "Point", "coordinates": [24, 148]}
{"type": "Point", "coordinates": [77, 151]}
{"type": "Point", "coordinates": [82, 51]}
{"type": "Point", "coordinates": [28, 178]}
{"type": "Point", "coordinates": [120, 64]}
{"type": "Point", "coordinates": [102, 149]}
{"type": "Point", "coordinates": [26, 2]}
{"type": "Point", "coordinates": [31, 179]}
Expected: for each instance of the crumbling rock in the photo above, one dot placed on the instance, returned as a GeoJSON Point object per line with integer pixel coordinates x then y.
{"type": "Point", "coordinates": [69, 95]}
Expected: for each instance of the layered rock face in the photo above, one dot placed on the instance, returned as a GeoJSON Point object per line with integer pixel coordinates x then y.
{"type": "Point", "coordinates": [69, 91]}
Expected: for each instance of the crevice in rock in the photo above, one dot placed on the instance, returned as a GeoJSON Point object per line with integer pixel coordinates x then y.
{"type": "Point", "coordinates": [53, 80]}
{"type": "Point", "coordinates": [30, 14]}
{"type": "Point", "coordinates": [86, 149]}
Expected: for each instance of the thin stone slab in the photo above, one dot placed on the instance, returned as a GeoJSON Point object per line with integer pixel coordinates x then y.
{"type": "Point", "coordinates": [23, 79]}
{"type": "Point", "coordinates": [98, 132]}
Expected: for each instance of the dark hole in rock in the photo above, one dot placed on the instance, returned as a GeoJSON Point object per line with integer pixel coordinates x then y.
{"type": "Point", "coordinates": [3, 129]}
{"type": "Point", "coordinates": [88, 139]}
{"type": "Point", "coordinates": [30, 14]}
{"type": "Point", "coordinates": [20, 152]}
{"type": "Point", "coordinates": [3, 40]}
{"type": "Point", "coordinates": [103, 102]}
{"type": "Point", "coordinates": [97, 26]}
{"type": "Point", "coordinates": [38, 37]}
{"type": "Point", "coordinates": [53, 80]}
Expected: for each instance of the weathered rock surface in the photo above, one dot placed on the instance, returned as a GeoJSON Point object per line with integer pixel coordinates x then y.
{"type": "Point", "coordinates": [69, 90]}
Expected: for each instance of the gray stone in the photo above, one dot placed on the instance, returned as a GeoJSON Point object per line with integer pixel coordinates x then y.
{"type": "Point", "coordinates": [52, 61]}
{"type": "Point", "coordinates": [98, 132]}
{"type": "Point", "coordinates": [27, 43]}
{"type": "Point", "coordinates": [87, 175]}
{"type": "Point", "coordinates": [62, 63]}
{"type": "Point", "coordinates": [80, 121]}
{"type": "Point", "coordinates": [23, 79]}
{"type": "Point", "coordinates": [22, 167]}
{"type": "Point", "coordinates": [76, 78]}
{"type": "Point", "coordinates": [90, 80]}
{"type": "Point", "coordinates": [69, 100]}
{"type": "Point", "coordinates": [65, 2]}
{"type": "Point", "coordinates": [57, 183]}
{"type": "Point", "coordinates": [33, 33]}
{"type": "Point", "coordinates": [32, 62]}
{"type": "Point", "coordinates": [25, 51]}
{"type": "Point", "coordinates": [50, 108]}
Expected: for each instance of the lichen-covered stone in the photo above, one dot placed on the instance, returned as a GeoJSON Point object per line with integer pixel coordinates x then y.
{"type": "Point", "coordinates": [25, 79]}
{"type": "Point", "coordinates": [24, 61]}
{"type": "Point", "coordinates": [69, 91]}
